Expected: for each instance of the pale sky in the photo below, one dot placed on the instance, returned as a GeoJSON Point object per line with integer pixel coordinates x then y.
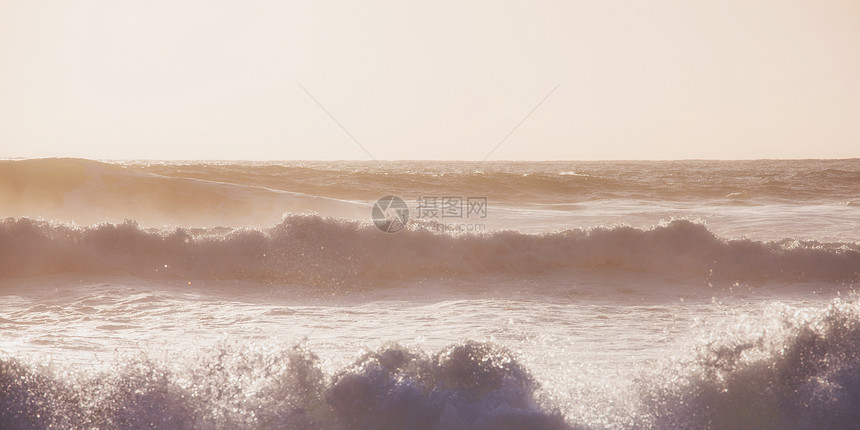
{"type": "Point", "coordinates": [208, 79]}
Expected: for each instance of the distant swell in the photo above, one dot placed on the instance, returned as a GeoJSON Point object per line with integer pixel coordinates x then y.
{"type": "Point", "coordinates": [88, 192]}
{"type": "Point", "coordinates": [255, 193]}
{"type": "Point", "coordinates": [312, 250]}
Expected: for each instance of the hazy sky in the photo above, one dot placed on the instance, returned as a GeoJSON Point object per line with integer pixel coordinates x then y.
{"type": "Point", "coordinates": [430, 79]}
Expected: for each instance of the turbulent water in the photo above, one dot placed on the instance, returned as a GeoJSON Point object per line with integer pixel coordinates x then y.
{"type": "Point", "coordinates": [534, 295]}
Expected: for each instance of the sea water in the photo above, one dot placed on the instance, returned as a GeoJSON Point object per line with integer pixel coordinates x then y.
{"type": "Point", "coordinates": [257, 295]}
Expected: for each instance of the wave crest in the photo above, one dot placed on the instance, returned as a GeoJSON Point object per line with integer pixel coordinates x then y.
{"type": "Point", "coordinates": [466, 386]}
{"type": "Point", "coordinates": [777, 370]}
{"type": "Point", "coordinates": [312, 250]}
{"type": "Point", "coordinates": [801, 373]}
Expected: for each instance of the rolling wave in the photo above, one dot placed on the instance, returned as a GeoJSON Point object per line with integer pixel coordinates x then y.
{"type": "Point", "coordinates": [547, 182]}
{"type": "Point", "coordinates": [313, 250]}
{"type": "Point", "coordinates": [255, 193]}
{"type": "Point", "coordinates": [88, 192]}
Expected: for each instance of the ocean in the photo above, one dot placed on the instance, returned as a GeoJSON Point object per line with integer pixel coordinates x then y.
{"type": "Point", "coordinates": [429, 295]}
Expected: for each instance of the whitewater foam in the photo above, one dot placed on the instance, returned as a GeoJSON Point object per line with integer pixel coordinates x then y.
{"type": "Point", "coordinates": [783, 367]}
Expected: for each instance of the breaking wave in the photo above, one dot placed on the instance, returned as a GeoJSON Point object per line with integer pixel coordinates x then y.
{"type": "Point", "coordinates": [313, 250]}
{"type": "Point", "coordinates": [797, 370]}
{"type": "Point", "coordinates": [787, 369]}
{"type": "Point", "coordinates": [467, 386]}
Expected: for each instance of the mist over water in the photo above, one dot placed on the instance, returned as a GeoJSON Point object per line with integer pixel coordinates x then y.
{"type": "Point", "coordinates": [250, 295]}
